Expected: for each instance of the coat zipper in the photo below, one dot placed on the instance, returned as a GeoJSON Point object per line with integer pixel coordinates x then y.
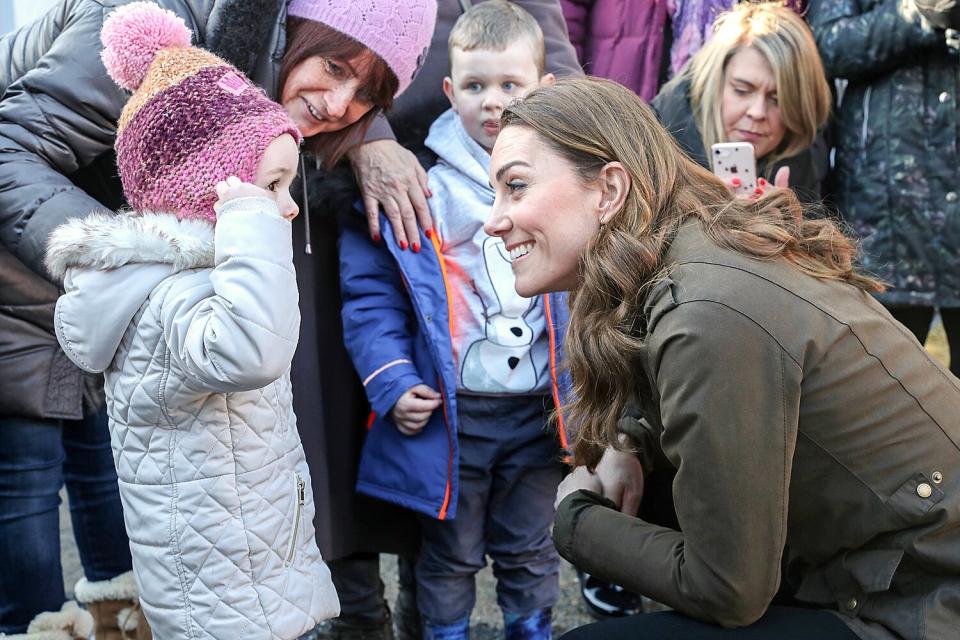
{"type": "Point", "coordinates": [300, 490]}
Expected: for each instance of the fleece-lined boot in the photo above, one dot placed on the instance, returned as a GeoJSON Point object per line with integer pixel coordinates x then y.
{"type": "Point", "coordinates": [70, 623]}
{"type": "Point", "coordinates": [115, 608]}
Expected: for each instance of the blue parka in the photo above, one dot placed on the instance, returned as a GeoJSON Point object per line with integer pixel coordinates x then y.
{"type": "Point", "coordinates": [397, 327]}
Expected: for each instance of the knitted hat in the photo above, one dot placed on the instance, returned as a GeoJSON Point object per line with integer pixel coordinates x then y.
{"type": "Point", "coordinates": [399, 31]}
{"type": "Point", "coordinates": [192, 120]}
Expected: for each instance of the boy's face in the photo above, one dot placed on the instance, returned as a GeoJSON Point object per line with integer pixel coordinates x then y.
{"type": "Point", "coordinates": [482, 82]}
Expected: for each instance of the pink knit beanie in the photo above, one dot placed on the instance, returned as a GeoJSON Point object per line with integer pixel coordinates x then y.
{"type": "Point", "coordinates": [193, 119]}
{"type": "Point", "coordinates": [399, 31]}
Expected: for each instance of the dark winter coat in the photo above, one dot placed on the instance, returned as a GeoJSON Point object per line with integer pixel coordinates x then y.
{"type": "Point", "coordinates": [673, 108]}
{"type": "Point", "coordinates": [897, 168]}
{"type": "Point", "coordinates": [37, 379]}
{"type": "Point", "coordinates": [836, 438]}
{"type": "Point", "coordinates": [622, 40]}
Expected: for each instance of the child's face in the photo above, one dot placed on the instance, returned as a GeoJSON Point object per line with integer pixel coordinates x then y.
{"type": "Point", "coordinates": [277, 171]}
{"type": "Point", "coordinates": [482, 82]}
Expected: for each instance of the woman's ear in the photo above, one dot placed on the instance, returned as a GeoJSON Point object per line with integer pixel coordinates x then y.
{"type": "Point", "coordinates": [614, 183]}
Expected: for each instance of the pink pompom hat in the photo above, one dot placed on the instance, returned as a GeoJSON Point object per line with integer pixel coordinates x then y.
{"type": "Point", "coordinates": [399, 31]}
{"type": "Point", "coordinates": [193, 119]}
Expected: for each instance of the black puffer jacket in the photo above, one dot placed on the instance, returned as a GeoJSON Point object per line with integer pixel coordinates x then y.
{"type": "Point", "coordinates": [897, 131]}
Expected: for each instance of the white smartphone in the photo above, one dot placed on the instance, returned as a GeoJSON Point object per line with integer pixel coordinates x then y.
{"type": "Point", "coordinates": [735, 160]}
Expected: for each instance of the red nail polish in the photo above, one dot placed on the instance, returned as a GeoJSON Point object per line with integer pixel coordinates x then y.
{"type": "Point", "coordinates": [428, 233]}
{"type": "Point", "coordinates": [376, 237]}
{"type": "Point", "coordinates": [416, 247]}
{"type": "Point", "coordinates": [403, 245]}
{"type": "Point", "coordinates": [758, 191]}
{"type": "Point", "coordinates": [735, 182]}
{"type": "Point", "coordinates": [762, 182]}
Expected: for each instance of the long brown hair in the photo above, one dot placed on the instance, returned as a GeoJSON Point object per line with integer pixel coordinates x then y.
{"type": "Point", "coordinates": [591, 122]}
{"type": "Point", "coordinates": [309, 38]}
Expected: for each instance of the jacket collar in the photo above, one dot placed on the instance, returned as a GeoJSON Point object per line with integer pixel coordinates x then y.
{"type": "Point", "coordinates": [249, 34]}
{"type": "Point", "coordinates": [105, 241]}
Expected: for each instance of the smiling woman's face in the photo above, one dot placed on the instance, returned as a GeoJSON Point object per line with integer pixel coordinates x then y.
{"type": "Point", "coordinates": [321, 94]}
{"type": "Point", "coordinates": [543, 211]}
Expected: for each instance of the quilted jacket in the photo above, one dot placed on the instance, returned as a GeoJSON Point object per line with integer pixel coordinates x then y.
{"type": "Point", "coordinates": [195, 331]}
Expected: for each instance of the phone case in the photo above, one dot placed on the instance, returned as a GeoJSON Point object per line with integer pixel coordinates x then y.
{"type": "Point", "coordinates": [735, 160]}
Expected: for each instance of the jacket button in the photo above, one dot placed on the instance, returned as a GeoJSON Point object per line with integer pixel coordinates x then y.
{"type": "Point", "coordinates": [943, 97]}
{"type": "Point", "coordinates": [851, 604]}
{"type": "Point", "coordinates": [951, 196]}
{"type": "Point", "coordinates": [937, 477]}
{"type": "Point", "coordinates": [924, 490]}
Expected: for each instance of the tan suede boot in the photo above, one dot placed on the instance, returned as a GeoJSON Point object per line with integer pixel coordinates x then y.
{"type": "Point", "coordinates": [115, 608]}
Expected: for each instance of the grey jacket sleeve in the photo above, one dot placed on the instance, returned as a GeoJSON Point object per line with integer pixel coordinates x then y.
{"type": "Point", "coordinates": [243, 336]}
{"type": "Point", "coordinates": [731, 438]}
{"type": "Point", "coordinates": [859, 45]}
{"type": "Point", "coordinates": [57, 115]}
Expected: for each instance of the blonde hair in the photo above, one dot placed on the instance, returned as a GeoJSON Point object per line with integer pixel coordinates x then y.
{"type": "Point", "coordinates": [785, 40]}
{"type": "Point", "coordinates": [495, 25]}
{"type": "Point", "coordinates": [591, 122]}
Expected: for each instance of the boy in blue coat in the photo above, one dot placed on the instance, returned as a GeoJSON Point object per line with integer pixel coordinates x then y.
{"type": "Point", "coordinates": [460, 370]}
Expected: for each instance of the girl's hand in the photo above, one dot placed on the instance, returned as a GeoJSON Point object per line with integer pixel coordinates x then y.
{"type": "Point", "coordinates": [580, 478]}
{"type": "Point", "coordinates": [233, 187]}
{"type": "Point", "coordinates": [780, 181]}
{"type": "Point", "coordinates": [414, 408]}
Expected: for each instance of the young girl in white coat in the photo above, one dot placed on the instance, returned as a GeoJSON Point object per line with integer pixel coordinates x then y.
{"type": "Point", "coordinates": [188, 304]}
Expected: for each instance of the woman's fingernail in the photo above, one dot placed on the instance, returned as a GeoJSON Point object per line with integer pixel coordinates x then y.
{"type": "Point", "coordinates": [403, 245]}
{"type": "Point", "coordinates": [762, 182]}
{"type": "Point", "coordinates": [428, 233]}
{"type": "Point", "coordinates": [735, 182]}
{"type": "Point", "coordinates": [376, 237]}
{"type": "Point", "coordinates": [416, 247]}
{"type": "Point", "coordinates": [758, 191]}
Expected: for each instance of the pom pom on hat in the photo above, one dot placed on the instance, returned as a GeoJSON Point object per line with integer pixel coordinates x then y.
{"type": "Point", "coordinates": [133, 35]}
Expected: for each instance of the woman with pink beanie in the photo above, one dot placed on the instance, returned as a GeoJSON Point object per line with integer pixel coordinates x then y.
{"type": "Point", "coordinates": [332, 65]}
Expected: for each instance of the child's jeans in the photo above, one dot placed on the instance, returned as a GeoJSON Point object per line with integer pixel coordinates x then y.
{"type": "Point", "coordinates": [509, 471]}
{"type": "Point", "coordinates": [36, 457]}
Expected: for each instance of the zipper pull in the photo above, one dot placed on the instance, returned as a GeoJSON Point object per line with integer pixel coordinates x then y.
{"type": "Point", "coordinates": [301, 486]}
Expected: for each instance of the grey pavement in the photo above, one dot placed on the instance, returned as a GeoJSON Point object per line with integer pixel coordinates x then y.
{"type": "Point", "coordinates": [486, 623]}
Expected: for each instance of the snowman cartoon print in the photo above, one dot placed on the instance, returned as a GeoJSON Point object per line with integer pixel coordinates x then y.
{"type": "Point", "coordinates": [501, 362]}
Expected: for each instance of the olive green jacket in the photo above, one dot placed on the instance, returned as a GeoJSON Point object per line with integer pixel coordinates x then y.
{"type": "Point", "coordinates": [803, 421]}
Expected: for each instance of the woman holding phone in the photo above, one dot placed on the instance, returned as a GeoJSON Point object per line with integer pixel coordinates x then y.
{"type": "Point", "coordinates": [758, 80]}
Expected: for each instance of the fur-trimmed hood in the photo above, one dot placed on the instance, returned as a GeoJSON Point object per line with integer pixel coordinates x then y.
{"type": "Point", "coordinates": [105, 241]}
{"type": "Point", "coordinates": [109, 265]}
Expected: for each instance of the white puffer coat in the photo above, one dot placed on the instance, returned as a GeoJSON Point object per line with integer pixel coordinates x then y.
{"type": "Point", "coordinates": [195, 332]}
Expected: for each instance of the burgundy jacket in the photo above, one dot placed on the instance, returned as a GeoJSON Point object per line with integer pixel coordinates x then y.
{"type": "Point", "coordinates": [621, 40]}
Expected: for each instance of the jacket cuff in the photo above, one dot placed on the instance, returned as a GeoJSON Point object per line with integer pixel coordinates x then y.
{"type": "Point", "coordinates": [384, 389]}
{"type": "Point", "coordinates": [379, 129]}
{"type": "Point", "coordinates": [253, 227]}
{"type": "Point", "coordinates": [569, 513]}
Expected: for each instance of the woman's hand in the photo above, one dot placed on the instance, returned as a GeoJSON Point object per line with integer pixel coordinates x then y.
{"type": "Point", "coordinates": [780, 181]}
{"type": "Point", "coordinates": [391, 177]}
{"type": "Point", "coordinates": [579, 478]}
{"type": "Point", "coordinates": [621, 477]}
{"type": "Point", "coordinates": [414, 408]}
{"type": "Point", "coordinates": [233, 188]}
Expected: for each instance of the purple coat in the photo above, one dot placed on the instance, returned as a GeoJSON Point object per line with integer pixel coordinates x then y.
{"type": "Point", "coordinates": [619, 39]}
